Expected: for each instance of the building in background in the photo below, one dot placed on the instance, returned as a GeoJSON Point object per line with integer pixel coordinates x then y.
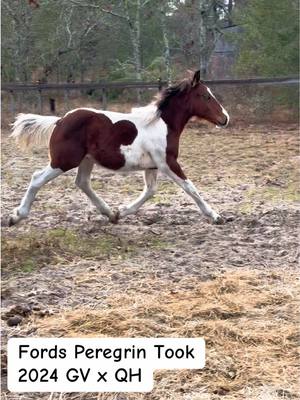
{"type": "Point", "coordinates": [224, 56]}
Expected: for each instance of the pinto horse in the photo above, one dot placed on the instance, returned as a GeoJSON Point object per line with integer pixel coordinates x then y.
{"type": "Point", "coordinates": [146, 139]}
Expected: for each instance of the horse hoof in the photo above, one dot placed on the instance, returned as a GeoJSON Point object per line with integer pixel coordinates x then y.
{"type": "Point", "coordinates": [11, 222]}
{"type": "Point", "coordinates": [115, 217]}
{"type": "Point", "coordinates": [219, 220]}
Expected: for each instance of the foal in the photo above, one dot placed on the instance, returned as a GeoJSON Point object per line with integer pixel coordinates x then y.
{"type": "Point", "coordinates": [146, 139]}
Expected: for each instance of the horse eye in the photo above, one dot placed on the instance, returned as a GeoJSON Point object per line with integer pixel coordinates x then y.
{"type": "Point", "coordinates": [206, 96]}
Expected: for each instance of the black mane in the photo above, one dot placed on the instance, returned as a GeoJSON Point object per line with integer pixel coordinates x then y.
{"type": "Point", "coordinates": [167, 94]}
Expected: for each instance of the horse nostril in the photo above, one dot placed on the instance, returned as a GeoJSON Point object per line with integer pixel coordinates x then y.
{"type": "Point", "coordinates": [224, 123]}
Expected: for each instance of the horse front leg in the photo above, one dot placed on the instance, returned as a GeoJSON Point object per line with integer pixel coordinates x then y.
{"type": "Point", "coordinates": [150, 179]}
{"type": "Point", "coordinates": [173, 170]}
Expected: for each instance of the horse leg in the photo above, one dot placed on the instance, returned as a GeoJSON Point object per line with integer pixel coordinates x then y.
{"type": "Point", "coordinates": [150, 178]}
{"type": "Point", "coordinates": [39, 179]}
{"type": "Point", "coordinates": [173, 170]}
{"type": "Point", "coordinates": [83, 181]}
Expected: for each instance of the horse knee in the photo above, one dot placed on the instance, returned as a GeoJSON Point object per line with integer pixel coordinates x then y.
{"type": "Point", "coordinates": [39, 178]}
{"type": "Point", "coordinates": [35, 180]}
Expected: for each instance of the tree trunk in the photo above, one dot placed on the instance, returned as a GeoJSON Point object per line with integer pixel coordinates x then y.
{"type": "Point", "coordinates": [166, 44]}
{"type": "Point", "coordinates": [135, 36]}
{"type": "Point", "coordinates": [203, 61]}
{"type": "Point", "coordinates": [230, 7]}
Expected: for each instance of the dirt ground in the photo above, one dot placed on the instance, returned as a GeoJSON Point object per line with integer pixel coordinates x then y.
{"type": "Point", "coordinates": [167, 271]}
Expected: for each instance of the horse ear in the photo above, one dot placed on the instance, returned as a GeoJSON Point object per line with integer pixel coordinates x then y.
{"type": "Point", "coordinates": [196, 78]}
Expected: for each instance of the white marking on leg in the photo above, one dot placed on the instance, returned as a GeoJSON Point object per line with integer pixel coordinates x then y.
{"type": "Point", "coordinates": [83, 181]}
{"type": "Point", "coordinates": [39, 178]}
{"type": "Point", "coordinates": [150, 179]}
{"type": "Point", "coordinates": [190, 189]}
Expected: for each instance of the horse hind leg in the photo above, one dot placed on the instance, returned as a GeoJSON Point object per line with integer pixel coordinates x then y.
{"type": "Point", "coordinates": [39, 179]}
{"type": "Point", "coordinates": [150, 179]}
{"type": "Point", "coordinates": [83, 181]}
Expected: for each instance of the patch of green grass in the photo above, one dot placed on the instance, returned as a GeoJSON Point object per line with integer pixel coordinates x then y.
{"type": "Point", "coordinates": [270, 194]}
{"type": "Point", "coordinates": [160, 199]}
{"type": "Point", "coordinates": [164, 193]}
{"type": "Point", "coordinates": [157, 243]}
{"type": "Point", "coordinates": [246, 208]}
{"type": "Point", "coordinates": [275, 194]}
{"type": "Point", "coordinates": [97, 184]}
{"type": "Point", "coordinates": [29, 252]}
{"type": "Point", "coordinates": [28, 265]}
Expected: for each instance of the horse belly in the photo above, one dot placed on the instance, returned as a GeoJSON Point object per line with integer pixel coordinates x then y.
{"type": "Point", "coordinates": [136, 159]}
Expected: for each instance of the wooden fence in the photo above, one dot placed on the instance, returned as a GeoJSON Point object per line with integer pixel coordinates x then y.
{"type": "Point", "coordinates": [104, 87]}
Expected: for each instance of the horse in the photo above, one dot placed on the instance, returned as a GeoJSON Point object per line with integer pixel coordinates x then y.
{"type": "Point", "coordinates": [145, 139]}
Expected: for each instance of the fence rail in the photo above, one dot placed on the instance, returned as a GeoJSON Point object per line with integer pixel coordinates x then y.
{"type": "Point", "coordinates": [13, 89]}
{"type": "Point", "coordinates": [139, 85]}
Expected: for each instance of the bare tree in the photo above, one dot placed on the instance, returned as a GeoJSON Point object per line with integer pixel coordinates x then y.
{"type": "Point", "coordinates": [167, 57]}
{"type": "Point", "coordinates": [20, 39]}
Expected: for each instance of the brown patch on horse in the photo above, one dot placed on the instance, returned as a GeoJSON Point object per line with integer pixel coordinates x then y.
{"type": "Point", "coordinates": [172, 151]}
{"type": "Point", "coordinates": [85, 132]}
{"type": "Point", "coordinates": [177, 104]}
{"type": "Point", "coordinates": [175, 116]}
{"type": "Point", "coordinates": [104, 141]}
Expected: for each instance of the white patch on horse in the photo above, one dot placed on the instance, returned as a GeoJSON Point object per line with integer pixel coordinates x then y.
{"type": "Point", "coordinates": [151, 137]}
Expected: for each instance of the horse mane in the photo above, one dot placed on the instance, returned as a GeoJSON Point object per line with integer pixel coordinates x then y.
{"type": "Point", "coordinates": [147, 114]}
{"type": "Point", "coordinates": [152, 111]}
{"type": "Point", "coordinates": [167, 94]}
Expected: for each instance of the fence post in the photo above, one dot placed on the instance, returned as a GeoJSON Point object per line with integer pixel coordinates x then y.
{"type": "Point", "coordinates": [66, 95]}
{"type": "Point", "coordinates": [159, 84]}
{"type": "Point", "coordinates": [40, 100]}
{"type": "Point", "coordinates": [104, 98]}
{"type": "Point", "coordinates": [52, 105]}
{"type": "Point", "coordinates": [12, 102]}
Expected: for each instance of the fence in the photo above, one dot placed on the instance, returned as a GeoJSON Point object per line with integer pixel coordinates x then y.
{"type": "Point", "coordinates": [237, 89]}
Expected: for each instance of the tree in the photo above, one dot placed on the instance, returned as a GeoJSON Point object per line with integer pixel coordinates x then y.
{"type": "Point", "coordinates": [17, 40]}
{"type": "Point", "coordinates": [269, 44]}
{"type": "Point", "coordinates": [197, 25]}
{"type": "Point", "coordinates": [98, 39]}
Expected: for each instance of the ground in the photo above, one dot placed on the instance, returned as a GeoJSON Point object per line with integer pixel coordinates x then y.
{"type": "Point", "coordinates": [167, 271]}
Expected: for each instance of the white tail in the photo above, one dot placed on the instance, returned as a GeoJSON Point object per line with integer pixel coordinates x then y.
{"type": "Point", "coordinates": [33, 130]}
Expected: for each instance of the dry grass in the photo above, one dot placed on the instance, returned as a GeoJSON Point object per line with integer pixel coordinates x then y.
{"type": "Point", "coordinates": [249, 321]}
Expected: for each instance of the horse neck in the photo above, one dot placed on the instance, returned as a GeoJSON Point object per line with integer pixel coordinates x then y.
{"type": "Point", "coordinates": [176, 115]}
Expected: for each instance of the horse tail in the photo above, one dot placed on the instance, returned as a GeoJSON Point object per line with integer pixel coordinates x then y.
{"type": "Point", "coordinates": [31, 130]}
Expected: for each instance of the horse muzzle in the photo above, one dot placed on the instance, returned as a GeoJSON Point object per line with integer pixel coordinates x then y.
{"type": "Point", "coordinates": [223, 124]}
{"type": "Point", "coordinates": [225, 121]}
